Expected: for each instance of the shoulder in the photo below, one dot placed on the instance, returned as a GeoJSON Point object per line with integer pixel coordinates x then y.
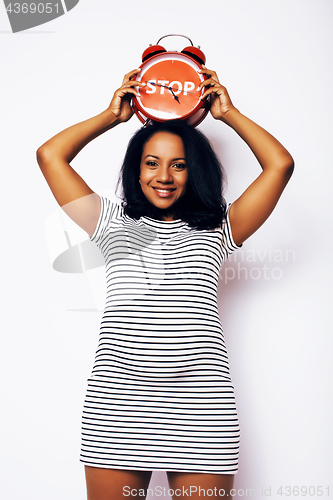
{"type": "Point", "coordinates": [228, 242]}
{"type": "Point", "coordinates": [109, 211]}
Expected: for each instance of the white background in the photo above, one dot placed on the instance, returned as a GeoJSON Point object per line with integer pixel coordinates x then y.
{"type": "Point", "coordinates": [275, 58]}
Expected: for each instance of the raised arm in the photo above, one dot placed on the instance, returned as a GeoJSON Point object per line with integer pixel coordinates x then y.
{"type": "Point", "coordinates": [257, 202]}
{"type": "Point", "coordinates": [54, 157]}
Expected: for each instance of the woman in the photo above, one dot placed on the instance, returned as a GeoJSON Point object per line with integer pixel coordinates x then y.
{"type": "Point", "coordinates": [160, 395]}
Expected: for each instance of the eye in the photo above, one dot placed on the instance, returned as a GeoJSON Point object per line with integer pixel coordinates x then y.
{"type": "Point", "coordinates": [151, 163]}
{"type": "Point", "coordinates": [179, 166]}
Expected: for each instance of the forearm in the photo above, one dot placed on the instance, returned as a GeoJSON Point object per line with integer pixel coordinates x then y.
{"type": "Point", "coordinates": [68, 143]}
{"type": "Point", "coordinates": [269, 151]}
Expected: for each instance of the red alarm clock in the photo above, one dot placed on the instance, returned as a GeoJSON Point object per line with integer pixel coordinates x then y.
{"type": "Point", "coordinates": [172, 80]}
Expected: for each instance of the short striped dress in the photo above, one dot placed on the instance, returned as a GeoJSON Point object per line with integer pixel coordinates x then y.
{"type": "Point", "coordinates": [160, 396]}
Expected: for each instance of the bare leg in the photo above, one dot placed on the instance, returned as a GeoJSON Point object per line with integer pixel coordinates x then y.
{"type": "Point", "coordinates": [188, 485]}
{"type": "Point", "coordinates": [113, 484]}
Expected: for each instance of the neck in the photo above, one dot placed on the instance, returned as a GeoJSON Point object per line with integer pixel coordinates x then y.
{"type": "Point", "coordinates": [167, 217]}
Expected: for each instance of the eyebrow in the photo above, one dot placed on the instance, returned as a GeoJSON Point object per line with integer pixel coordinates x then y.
{"type": "Point", "coordinates": [157, 158]}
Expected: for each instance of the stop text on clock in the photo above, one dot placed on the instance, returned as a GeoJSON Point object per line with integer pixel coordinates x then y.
{"type": "Point", "coordinates": [176, 86]}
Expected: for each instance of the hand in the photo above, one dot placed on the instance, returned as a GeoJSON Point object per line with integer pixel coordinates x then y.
{"type": "Point", "coordinates": [219, 97]}
{"type": "Point", "coordinates": [120, 105]}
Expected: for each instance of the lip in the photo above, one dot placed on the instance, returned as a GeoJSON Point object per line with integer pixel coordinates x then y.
{"type": "Point", "coordinates": [164, 192]}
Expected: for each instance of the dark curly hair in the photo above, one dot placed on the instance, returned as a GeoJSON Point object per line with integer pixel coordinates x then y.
{"type": "Point", "coordinates": [203, 205]}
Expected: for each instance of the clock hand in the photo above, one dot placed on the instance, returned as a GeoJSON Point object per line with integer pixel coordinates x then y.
{"type": "Point", "coordinates": [166, 87]}
{"type": "Point", "coordinates": [174, 95]}
{"type": "Point", "coordinates": [158, 85]}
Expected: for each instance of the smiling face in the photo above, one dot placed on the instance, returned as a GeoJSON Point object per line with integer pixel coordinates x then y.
{"type": "Point", "coordinates": [163, 172]}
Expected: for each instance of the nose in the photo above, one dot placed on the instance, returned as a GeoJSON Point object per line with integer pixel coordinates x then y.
{"type": "Point", "coordinates": [164, 175]}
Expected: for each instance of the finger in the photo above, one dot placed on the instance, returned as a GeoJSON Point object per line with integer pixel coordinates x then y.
{"type": "Point", "coordinates": [209, 72]}
{"type": "Point", "coordinates": [129, 87]}
{"type": "Point", "coordinates": [130, 75]}
{"type": "Point", "coordinates": [134, 83]}
{"type": "Point", "coordinates": [212, 90]}
{"type": "Point", "coordinates": [210, 82]}
{"type": "Point", "coordinates": [127, 90]}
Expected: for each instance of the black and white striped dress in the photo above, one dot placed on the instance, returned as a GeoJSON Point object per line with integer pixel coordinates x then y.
{"type": "Point", "coordinates": [160, 396]}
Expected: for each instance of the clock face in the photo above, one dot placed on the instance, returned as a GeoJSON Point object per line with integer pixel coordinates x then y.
{"type": "Point", "coordinates": [172, 89]}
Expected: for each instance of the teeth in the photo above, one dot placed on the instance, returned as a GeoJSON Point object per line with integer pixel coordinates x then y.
{"type": "Point", "coordinates": [163, 190]}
